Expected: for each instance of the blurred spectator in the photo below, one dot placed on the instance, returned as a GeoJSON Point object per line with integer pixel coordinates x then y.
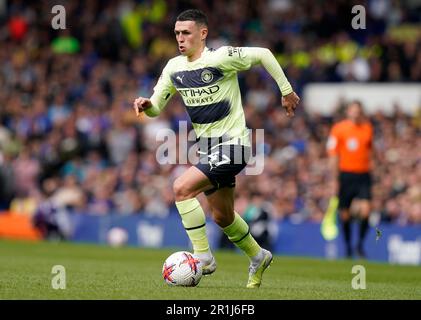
{"type": "Point", "coordinates": [68, 117]}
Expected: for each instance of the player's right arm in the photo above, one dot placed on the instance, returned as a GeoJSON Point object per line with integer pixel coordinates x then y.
{"type": "Point", "coordinates": [163, 91]}
{"type": "Point", "coordinates": [332, 147]}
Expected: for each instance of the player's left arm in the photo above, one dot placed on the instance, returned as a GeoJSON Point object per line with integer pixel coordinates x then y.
{"type": "Point", "coordinates": [266, 58]}
{"type": "Point", "coordinates": [243, 58]}
{"type": "Point", "coordinates": [371, 148]}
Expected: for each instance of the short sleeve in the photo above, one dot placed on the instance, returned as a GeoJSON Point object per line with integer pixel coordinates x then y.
{"type": "Point", "coordinates": [332, 145]}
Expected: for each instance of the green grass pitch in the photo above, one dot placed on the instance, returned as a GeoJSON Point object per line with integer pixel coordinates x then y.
{"type": "Point", "coordinates": [100, 272]}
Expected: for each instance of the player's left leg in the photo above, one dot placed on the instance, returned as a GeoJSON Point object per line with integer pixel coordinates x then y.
{"type": "Point", "coordinates": [364, 212]}
{"type": "Point", "coordinates": [364, 206]}
{"type": "Point", "coordinates": [221, 203]}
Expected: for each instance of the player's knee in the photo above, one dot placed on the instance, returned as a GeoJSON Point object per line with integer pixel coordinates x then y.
{"type": "Point", "coordinates": [365, 209]}
{"type": "Point", "coordinates": [181, 191]}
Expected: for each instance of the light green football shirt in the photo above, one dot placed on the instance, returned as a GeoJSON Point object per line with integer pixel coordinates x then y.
{"type": "Point", "coordinates": [210, 90]}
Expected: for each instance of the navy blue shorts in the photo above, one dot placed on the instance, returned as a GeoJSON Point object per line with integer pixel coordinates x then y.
{"type": "Point", "coordinates": [353, 185]}
{"type": "Point", "coordinates": [222, 163]}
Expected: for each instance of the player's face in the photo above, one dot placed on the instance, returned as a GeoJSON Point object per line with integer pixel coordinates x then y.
{"type": "Point", "coordinates": [190, 36]}
{"type": "Point", "coordinates": [354, 112]}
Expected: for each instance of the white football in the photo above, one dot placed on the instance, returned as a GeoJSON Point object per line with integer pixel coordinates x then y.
{"type": "Point", "coordinates": [182, 268]}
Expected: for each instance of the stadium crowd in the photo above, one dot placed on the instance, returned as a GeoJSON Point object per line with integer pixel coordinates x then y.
{"type": "Point", "coordinates": [68, 131]}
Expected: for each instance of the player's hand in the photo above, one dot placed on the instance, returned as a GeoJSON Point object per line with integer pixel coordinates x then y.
{"type": "Point", "coordinates": [290, 102]}
{"type": "Point", "coordinates": [141, 104]}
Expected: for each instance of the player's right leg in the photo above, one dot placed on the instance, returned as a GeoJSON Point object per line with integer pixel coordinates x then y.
{"type": "Point", "coordinates": [186, 188]}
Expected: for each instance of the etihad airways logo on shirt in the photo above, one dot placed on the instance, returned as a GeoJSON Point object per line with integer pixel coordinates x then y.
{"type": "Point", "coordinates": [199, 96]}
{"type": "Point", "coordinates": [199, 92]}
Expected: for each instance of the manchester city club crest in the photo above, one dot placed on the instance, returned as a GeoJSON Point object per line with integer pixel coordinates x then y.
{"type": "Point", "coordinates": [207, 76]}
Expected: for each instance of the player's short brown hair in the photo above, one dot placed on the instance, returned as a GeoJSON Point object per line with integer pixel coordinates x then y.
{"type": "Point", "coordinates": [193, 15]}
